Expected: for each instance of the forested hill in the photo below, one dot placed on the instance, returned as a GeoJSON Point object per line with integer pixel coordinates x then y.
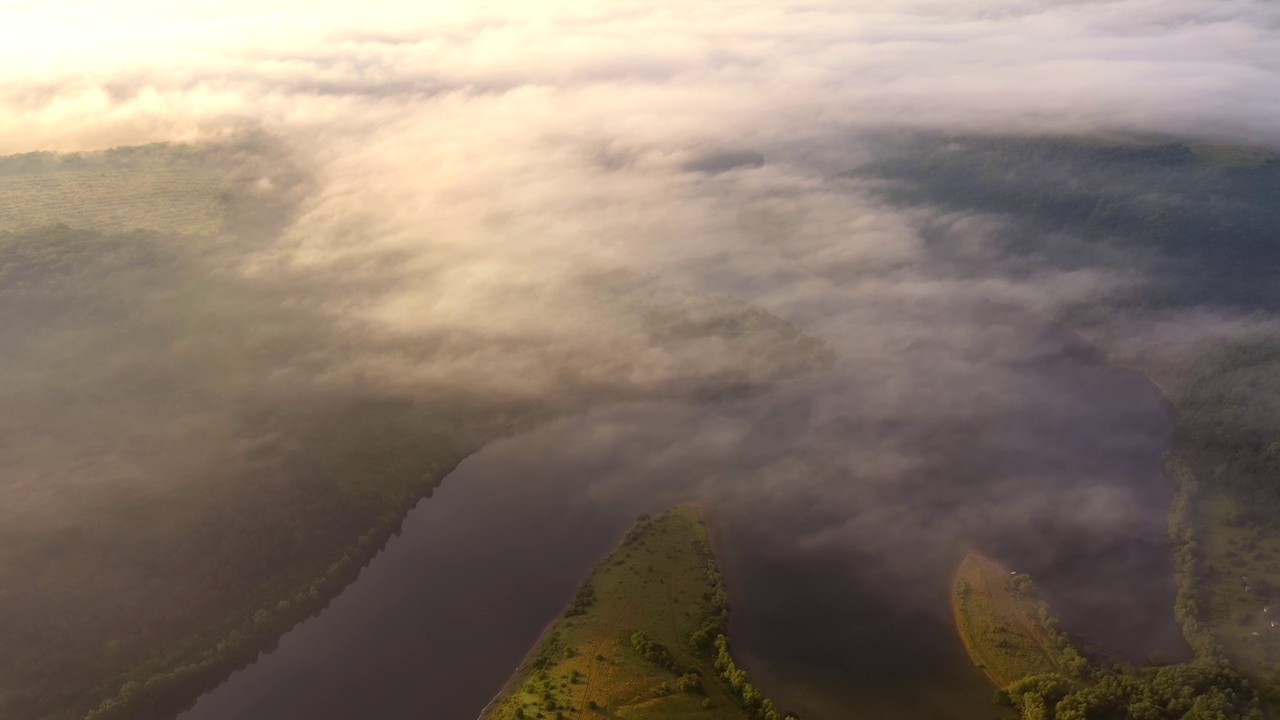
{"type": "Point", "coordinates": [1204, 219]}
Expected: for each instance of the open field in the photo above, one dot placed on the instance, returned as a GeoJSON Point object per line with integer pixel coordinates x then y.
{"type": "Point", "coordinates": [624, 650]}
{"type": "Point", "coordinates": [1242, 585]}
{"type": "Point", "coordinates": [996, 614]}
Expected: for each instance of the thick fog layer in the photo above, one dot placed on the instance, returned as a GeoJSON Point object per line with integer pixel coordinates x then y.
{"type": "Point", "coordinates": [522, 143]}
{"type": "Point", "coordinates": [470, 180]}
{"type": "Point", "coordinates": [636, 74]}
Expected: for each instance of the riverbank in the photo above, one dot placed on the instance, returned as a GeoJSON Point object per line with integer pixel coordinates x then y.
{"type": "Point", "coordinates": [167, 692]}
{"type": "Point", "coordinates": [314, 491]}
{"type": "Point", "coordinates": [996, 616]}
{"type": "Point", "coordinates": [1039, 673]}
{"type": "Point", "coordinates": [645, 633]}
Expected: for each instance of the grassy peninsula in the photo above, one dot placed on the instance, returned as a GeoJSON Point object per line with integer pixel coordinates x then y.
{"type": "Point", "coordinates": [1000, 621]}
{"type": "Point", "coordinates": [1012, 636]}
{"type": "Point", "coordinates": [644, 638]}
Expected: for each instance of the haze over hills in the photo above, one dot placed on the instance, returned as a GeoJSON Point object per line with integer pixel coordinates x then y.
{"type": "Point", "coordinates": [270, 270]}
{"type": "Point", "coordinates": [196, 460]}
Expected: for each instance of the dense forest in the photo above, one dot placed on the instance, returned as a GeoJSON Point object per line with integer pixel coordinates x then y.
{"type": "Point", "coordinates": [1200, 220]}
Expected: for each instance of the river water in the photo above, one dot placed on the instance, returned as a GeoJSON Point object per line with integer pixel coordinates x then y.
{"type": "Point", "coordinates": [838, 514]}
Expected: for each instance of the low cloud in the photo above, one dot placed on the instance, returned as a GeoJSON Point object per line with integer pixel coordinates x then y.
{"type": "Point", "coordinates": [467, 184]}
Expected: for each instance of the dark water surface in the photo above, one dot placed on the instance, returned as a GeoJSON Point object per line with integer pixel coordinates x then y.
{"type": "Point", "coordinates": [440, 618]}
{"type": "Point", "coordinates": [839, 518]}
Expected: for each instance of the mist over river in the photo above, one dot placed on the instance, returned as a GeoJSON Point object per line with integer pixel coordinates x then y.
{"type": "Point", "coordinates": [266, 268]}
{"type": "Point", "coordinates": [838, 530]}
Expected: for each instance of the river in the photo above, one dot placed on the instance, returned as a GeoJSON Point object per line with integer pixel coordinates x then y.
{"type": "Point", "coordinates": [838, 516]}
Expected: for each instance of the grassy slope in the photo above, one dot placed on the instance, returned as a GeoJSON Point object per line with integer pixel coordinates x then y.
{"type": "Point", "coordinates": [656, 582]}
{"type": "Point", "coordinates": [999, 624]}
